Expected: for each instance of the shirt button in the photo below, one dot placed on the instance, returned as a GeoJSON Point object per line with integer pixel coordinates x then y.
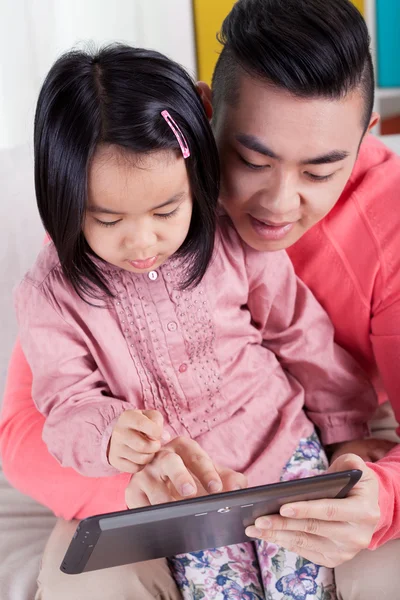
{"type": "Point", "coordinates": [153, 275]}
{"type": "Point", "coordinates": [172, 326]}
{"type": "Point", "coordinates": [183, 368]}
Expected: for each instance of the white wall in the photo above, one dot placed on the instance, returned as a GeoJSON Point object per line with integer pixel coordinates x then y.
{"type": "Point", "coordinates": [33, 33]}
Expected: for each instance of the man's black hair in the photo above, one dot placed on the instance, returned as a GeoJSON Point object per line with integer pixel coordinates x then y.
{"type": "Point", "coordinates": [311, 48]}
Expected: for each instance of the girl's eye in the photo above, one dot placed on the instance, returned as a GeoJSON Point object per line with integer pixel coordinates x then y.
{"type": "Point", "coordinates": [107, 223]}
{"type": "Point", "coordinates": [252, 166]}
{"type": "Point", "coordinates": [167, 215]}
{"type": "Point", "coordinates": [319, 177]}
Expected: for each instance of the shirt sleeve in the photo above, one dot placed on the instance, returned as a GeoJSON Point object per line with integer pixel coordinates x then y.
{"type": "Point", "coordinates": [388, 472]}
{"type": "Point", "coordinates": [30, 468]}
{"type": "Point", "coordinates": [68, 387]}
{"type": "Point", "coordinates": [385, 338]}
{"type": "Point", "coordinates": [339, 398]}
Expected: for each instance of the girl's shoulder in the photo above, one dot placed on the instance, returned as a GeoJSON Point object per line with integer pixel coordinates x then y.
{"type": "Point", "coordinates": [231, 249]}
{"type": "Point", "coordinates": [229, 246]}
{"type": "Point", "coordinates": [228, 237]}
{"type": "Point", "coordinates": [43, 289]}
{"type": "Point", "coordinates": [226, 232]}
{"type": "Point", "coordinates": [46, 263]}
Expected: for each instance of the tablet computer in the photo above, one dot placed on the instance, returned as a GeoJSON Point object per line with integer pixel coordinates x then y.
{"type": "Point", "coordinates": [190, 525]}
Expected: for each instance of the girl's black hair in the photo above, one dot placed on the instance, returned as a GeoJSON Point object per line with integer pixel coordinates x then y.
{"type": "Point", "coordinates": [115, 96]}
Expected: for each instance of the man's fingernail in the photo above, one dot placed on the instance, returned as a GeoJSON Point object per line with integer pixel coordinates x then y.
{"type": "Point", "coordinates": [188, 489]}
{"type": "Point", "coordinates": [253, 532]}
{"type": "Point", "coordinates": [214, 486]}
{"type": "Point", "coordinates": [287, 511]}
{"type": "Point", "coordinates": [237, 487]}
{"type": "Point", "coordinates": [166, 436]}
{"type": "Point", "coordinates": [263, 523]}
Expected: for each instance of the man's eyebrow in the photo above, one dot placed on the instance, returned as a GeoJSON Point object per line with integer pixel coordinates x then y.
{"type": "Point", "coordinates": [253, 143]}
{"type": "Point", "coordinates": [329, 157]}
{"type": "Point", "coordinates": [256, 145]}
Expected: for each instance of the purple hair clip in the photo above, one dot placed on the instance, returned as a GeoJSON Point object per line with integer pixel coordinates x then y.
{"type": "Point", "coordinates": [178, 134]}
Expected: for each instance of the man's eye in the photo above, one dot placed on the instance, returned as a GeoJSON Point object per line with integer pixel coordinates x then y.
{"type": "Point", "coordinates": [319, 177]}
{"type": "Point", "coordinates": [252, 166]}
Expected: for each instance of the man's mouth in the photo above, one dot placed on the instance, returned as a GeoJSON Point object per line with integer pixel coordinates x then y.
{"type": "Point", "coordinates": [271, 230]}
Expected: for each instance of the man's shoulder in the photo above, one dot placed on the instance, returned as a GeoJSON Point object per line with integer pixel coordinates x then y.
{"type": "Point", "coordinates": [376, 175]}
{"type": "Point", "coordinates": [370, 200]}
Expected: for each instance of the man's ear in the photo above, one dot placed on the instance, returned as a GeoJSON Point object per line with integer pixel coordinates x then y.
{"type": "Point", "coordinates": [374, 120]}
{"type": "Point", "coordinates": [204, 91]}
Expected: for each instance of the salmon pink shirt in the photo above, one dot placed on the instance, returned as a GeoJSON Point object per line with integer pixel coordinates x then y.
{"type": "Point", "coordinates": [351, 261]}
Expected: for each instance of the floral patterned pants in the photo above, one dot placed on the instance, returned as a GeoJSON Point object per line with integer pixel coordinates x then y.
{"type": "Point", "coordinates": [258, 570]}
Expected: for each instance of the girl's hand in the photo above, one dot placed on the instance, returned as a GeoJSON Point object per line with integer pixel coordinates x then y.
{"type": "Point", "coordinates": [327, 532]}
{"type": "Point", "coordinates": [182, 469]}
{"type": "Point", "coordinates": [136, 437]}
{"type": "Point", "coordinates": [371, 449]}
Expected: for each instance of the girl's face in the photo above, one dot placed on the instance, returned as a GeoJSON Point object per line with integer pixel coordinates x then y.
{"type": "Point", "coordinates": [139, 207]}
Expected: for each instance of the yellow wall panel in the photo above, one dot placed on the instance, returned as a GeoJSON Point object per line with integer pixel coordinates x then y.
{"type": "Point", "coordinates": [360, 5]}
{"type": "Point", "coordinates": [208, 17]}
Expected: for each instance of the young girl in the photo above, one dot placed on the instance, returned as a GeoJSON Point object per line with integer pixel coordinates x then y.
{"type": "Point", "coordinates": [147, 318]}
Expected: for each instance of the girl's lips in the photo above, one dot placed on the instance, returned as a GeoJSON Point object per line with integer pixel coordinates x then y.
{"type": "Point", "coordinates": [269, 231]}
{"type": "Point", "coordinates": [143, 264]}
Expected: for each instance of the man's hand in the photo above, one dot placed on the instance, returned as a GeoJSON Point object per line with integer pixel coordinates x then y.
{"type": "Point", "coordinates": [327, 532]}
{"type": "Point", "coordinates": [181, 469]}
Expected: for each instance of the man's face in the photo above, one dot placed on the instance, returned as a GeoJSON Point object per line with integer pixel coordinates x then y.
{"type": "Point", "coordinates": [285, 160]}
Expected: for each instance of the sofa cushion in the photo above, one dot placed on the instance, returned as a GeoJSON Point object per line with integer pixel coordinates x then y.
{"type": "Point", "coordinates": [24, 529]}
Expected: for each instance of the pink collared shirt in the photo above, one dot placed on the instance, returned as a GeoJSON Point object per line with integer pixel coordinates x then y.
{"type": "Point", "coordinates": [232, 363]}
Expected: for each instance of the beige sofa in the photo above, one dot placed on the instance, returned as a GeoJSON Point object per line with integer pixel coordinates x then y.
{"type": "Point", "coordinates": [24, 525]}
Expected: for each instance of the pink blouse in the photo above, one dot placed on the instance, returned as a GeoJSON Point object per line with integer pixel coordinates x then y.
{"type": "Point", "coordinates": [230, 363]}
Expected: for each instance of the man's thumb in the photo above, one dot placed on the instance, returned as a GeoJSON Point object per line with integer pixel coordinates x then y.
{"type": "Point", "coordinates": [347, 462]}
